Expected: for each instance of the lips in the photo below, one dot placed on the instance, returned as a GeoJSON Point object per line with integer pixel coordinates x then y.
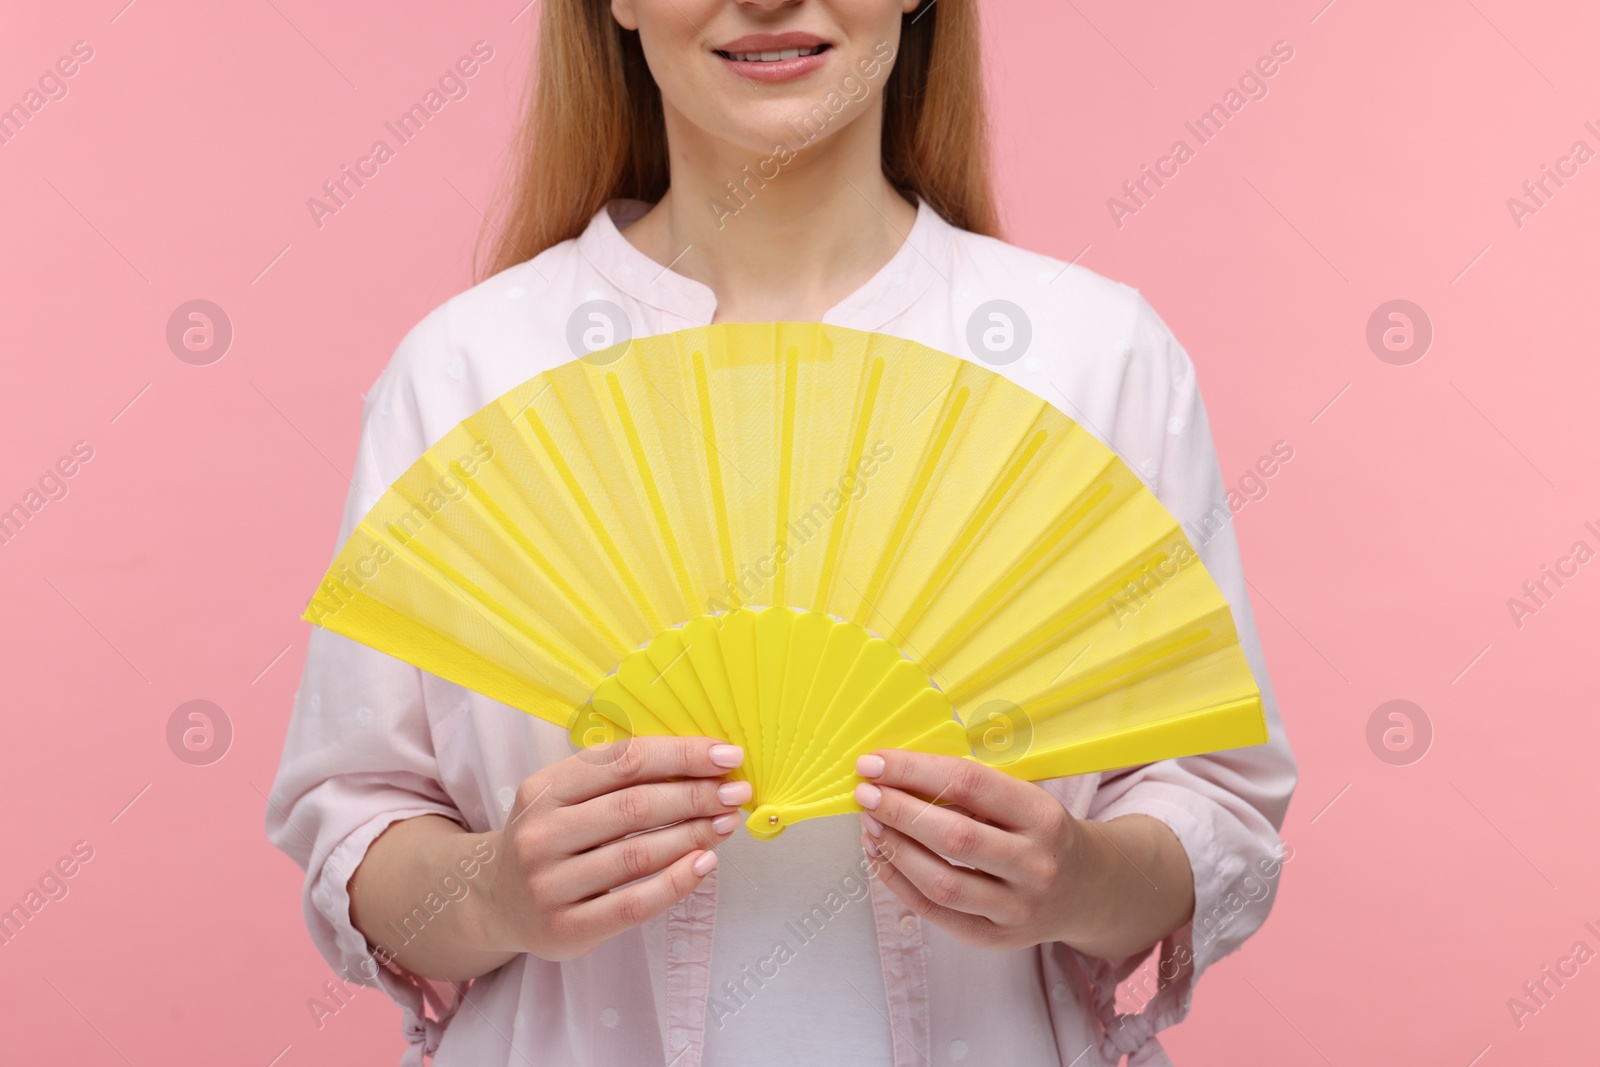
{"type": "Point", "coordinates": [772, 57]}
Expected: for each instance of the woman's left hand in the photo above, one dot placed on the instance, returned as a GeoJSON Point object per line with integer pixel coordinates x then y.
{"type": "Point", "coordinates": [1033, 872]}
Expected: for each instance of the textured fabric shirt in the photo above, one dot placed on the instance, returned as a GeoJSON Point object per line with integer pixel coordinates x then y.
{"type": "Point", "coordinates": [373, 740]}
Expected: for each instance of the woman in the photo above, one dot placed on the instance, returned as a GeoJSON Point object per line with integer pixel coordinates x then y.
{"type": "Point", "coordinates": [696, 161]}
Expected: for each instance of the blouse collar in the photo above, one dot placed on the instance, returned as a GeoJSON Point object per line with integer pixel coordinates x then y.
{"type": "Point", "coordinates": [923, 257]}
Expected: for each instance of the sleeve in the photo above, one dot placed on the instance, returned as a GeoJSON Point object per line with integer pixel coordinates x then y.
{"type": "Point", "coordinates": [359, 755]}
{"type": "Point", "coordinates": [1225, 808]}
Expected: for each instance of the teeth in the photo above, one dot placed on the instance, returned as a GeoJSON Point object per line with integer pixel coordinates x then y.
{"type": "Point", "coordinates": [772, 57]}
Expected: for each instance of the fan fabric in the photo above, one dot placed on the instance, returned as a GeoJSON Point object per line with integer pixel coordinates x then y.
{"type": "Point", "coordinates": [632, 502]}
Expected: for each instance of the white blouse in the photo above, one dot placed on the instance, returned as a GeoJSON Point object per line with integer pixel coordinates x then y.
{"type": "Point", "coordinates": [373, 740]}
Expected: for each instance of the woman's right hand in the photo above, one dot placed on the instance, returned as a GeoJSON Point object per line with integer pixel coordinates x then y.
{"type": "Point", "coordinates": [642, 810]}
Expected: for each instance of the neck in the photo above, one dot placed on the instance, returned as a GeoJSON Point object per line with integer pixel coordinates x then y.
{"type": "Point", "coordinates": [798, 232]}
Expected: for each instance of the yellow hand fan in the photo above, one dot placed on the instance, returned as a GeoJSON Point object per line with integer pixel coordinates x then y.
{"type": "Point", "coordinates": [810, 541]}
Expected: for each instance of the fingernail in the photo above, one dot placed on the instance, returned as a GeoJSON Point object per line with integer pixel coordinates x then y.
{"type": "Point", "coordinates": [868, 795]}
{"type": "Point", "coordinates": [734, 793]}
{"type": "Point", "coordinates": [727, 755]}
{"type": "Point", "coordinates": [703, 865]}
{"type": "Point", "coordinates": [871, 846]}
{"type": "Point", "coordinates": [724, 824]}
{"type": "Point", "coordinates": [869, 766]}
{"type": "Point", "coordinates": [874, 827]}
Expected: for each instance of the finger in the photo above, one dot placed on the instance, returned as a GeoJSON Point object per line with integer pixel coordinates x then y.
{"type": "Point", "coordinates": [586, 775]}
{"type": "Point", "coordinates": [642, 807]}
{"type": "Point", "coordinates": [984, 791]}
{"type": "Point", "coordinates": [622, 909]}
{"type": "Point", "coordinates": [973, 929]}
{"type": "Point", "coordinates": [948, 831]}
{"type": "Point", "coordinates": [620, 862]}
{"type": "Point", "coordinates": [951, 887]}
{"type": "Point", "coordinates": [632, 760]}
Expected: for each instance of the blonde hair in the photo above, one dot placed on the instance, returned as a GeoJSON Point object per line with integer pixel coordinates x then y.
{"type": "Point", "coordinates": [592, 128]}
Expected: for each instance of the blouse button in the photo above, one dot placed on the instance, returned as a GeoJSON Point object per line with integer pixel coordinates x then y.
{"type": "Point", "coordinates": [958, 1050]}
{"type": "Point", "coordinates": [1059, 992]}
{"type": "Point", "coordinates": [677, 1039]}
{"type": "Point", "coordinates": [675, 949]}
{"type": "Point", "coordinates": [610, 1017]}
{"type": "Point", "coordinates": [908, 924]}
{"type": "Point", "coordinates": [515, 292]}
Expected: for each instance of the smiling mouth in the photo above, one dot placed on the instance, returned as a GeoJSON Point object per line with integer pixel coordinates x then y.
{"type": "Point", "coordinates": [776, 56]}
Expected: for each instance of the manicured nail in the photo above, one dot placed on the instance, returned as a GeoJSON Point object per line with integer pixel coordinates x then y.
{"type": "Point", "coordinates": [724, 824]}
{"type": "Point", "coordinates": [871, 846]}
{"type": "Point", "coordinates": [868, 795]}
{"type": "Point", "coordinates": [734, 793]}
{"type": "Point", "coordinates": [727, 755]}
{"type": "Point", "coordinates": [874, 827]}
{"type": "Point", "coordinates": [704, 864]}
{"type": "Point", "coordinates": [869, 766]}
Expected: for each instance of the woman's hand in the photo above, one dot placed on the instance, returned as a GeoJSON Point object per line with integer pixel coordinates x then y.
{"type": "Point", "coordinates": [554, 880]}
{"type": "Point", "coordinates": [1025, 871]}
{"type": "Point", "coordinates": [645, 808]}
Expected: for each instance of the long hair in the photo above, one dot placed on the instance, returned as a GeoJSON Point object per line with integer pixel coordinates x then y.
{"type": "Point", "coordinates": [592, 129]}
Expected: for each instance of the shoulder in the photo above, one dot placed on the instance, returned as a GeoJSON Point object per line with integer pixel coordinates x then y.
{"type": "Point", "coordinates": [1042, 281]}
{"type": "Point", "coordinates": [492, 315]}
{"type": "Point", "coordinates": [1091, 345]}
{"type": "Point", "coordinates": [476, 345]}
{"type": "Point", "coordinates": [1072, 321]}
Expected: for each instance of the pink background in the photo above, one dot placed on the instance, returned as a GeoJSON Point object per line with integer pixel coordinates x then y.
{"type": "Point", "coordinates": [1419, 898]}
